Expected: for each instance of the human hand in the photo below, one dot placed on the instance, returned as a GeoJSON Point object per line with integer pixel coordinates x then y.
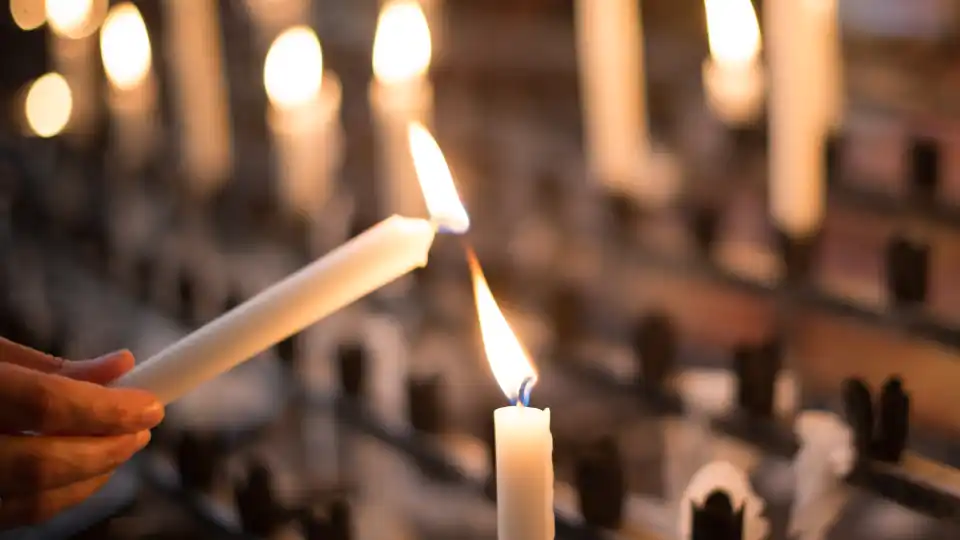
{"type": "Point", "coordinates": [62, 433]}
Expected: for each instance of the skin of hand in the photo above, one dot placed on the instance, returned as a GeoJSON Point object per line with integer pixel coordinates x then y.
{"type": "Point", "coordinates": [62, 432]}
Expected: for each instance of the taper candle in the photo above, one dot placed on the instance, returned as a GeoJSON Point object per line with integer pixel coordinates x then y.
{"type": "Point", "coordinates": [304, 119]}
{"type": "Point", "coordinates": [612, 86]}
{"type": "Point", "coordinates": [797, 120]}
{"type": "Point", "coordinates": [826, 44]}
{"type": "Point", "coordinates": [381, 254]}
{"type": "Point", "coordinates": [400, 93]}
{"type": "Point", "coordinates": [126, 54]}
{"type": "Point", "coordinates": [199, 92]}
{"type": "Point", "coordinates": [524, 444]}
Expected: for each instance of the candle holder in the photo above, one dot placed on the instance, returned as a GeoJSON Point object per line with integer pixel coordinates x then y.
{"type": "Point", "coordinates": [907, 272]}
{"type": "Point", "coordinates": [925, 169]}
{"type": "Point", "coordinates": [798, 256]}
{"type": "Point", "coordinates": [601, 486]}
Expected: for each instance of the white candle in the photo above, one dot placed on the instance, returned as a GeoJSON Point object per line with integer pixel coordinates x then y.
{"type": "Point", "coordinates": [797, 123]}
{"type": "Point", "coordinates": [524, 444]}
{"type": "Point", "coordinates": [383, 253]}
{"type": "Point", "coordinates": [400, 93]}
{"type": "Point", "coordinates": [199, 91]}
{"type": "Point", "coordinates": [733, 76]}
{"type": "Point", "coordinates": [610, 54]}
{"type": "Point", "coordinates": [73, 45]}
{"type": "Point", "coordinates": [826, 42]}
{"type": "Point", "coordinates": [304, 119]}
{"type": "Point", "coordinates": [126, 54]}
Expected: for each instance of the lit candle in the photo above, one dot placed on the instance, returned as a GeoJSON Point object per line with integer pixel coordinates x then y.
{"type": "Point", "coordinates": [304, 119]}
{"type": "Point", "coordinates": [126, 54]}
{"type": "Point", "coordinates": [797, 120]}
{"type": "Point", "coordinates": [73, 46]}
{"type": "Point", "coordinates": [47, 105]}
{"type": "Point", "coordinates": [733, 75]}
{"type": "Point", "coordinates": [386, 251]}
{"type": "Point", "coordinates": [199, 92]}
{"type": "Point", "coordinates": [610, 54]}
{"type": "Point", "coordinates": [524, 444]}
{"type": "Point", "coordinates": [400, 93]}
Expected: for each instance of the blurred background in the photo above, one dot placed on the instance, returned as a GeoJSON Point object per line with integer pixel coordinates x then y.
{"type": "Point", "coordinates": [657, 190]}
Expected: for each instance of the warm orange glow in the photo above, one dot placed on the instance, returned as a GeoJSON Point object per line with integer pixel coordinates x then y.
{"type": "Point", "coordinates": [401, 46]}
{"type": "Point", "coordinates": [75, 18]}
{"type": "Point", "coordinates": [28, 14]}
{"type": "Point", "coordinates": [436, 181]}
{"type": "Point", "coordinates": [293, 69]}
{"type": "Point", "coordinates": [733, 31]}
{"type": "Point", "coordinates": [508, 360]}
{"type": "Point", "coordinates": [125, 46]}
{"type": "Point", "coordinates": [48, 105]}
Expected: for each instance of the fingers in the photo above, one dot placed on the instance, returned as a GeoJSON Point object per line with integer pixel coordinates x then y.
{"type": "Point", "coordinates": [21, 355]}
{"type": "Point", "coordinates": [51, 404]}
{"type": "Point", "coordinates": [102, 370]}
{"type": "Point", "coordinates": [39, 507]}
{"type": "Point", "coordinates": [31, 464]}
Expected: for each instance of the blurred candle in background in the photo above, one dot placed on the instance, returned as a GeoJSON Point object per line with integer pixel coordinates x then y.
{"type": "Point", "coordinates": [797, 119]}
{"type": "Point", "coordinates": [613, 100]}
{"type": "Point", "coordinates": [400, 94]}
{"type": "Point", "coordinates": [127, 61]}
{"type": "Point", "coordinates": [271, 17]}
{"type": "Point", "coordinates": [28, 14]}
{"type": "Point", "coordinates": [304, 119]}
{"type": "Point", "coordinates": [825, 39]}
{"type": "Point", "coordinates": [199, 92]}
{"type": "Point", "coordinates": [733, 77]}
{"type": "Point", "coordinates": [73, 50]}
{"type": "Point", "coordinates": [47, 105]}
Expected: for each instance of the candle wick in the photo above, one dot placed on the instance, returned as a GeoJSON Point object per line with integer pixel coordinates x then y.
{"type": "Point", "coordinates": [523, 396]}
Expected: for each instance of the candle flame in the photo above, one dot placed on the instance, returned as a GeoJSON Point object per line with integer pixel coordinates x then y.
{"type": "Point", "coordinates": [48, 105]}
{"type": "Point", "coordinates": [401, 46]}
{"type": "Point", "coordinates": [125, 46]}
{"type": "Point", "coordinates": [28, 14]}
{"type": "Point", "coordinates": [436, 181]}
{"type": "Point", "coordinates": [733, 31]}
{"type": "Point", "coordinates": [508, 360]}
{"type": "Point", "coordinates": [293, 69]}
{"type": "Point", "coordinates": [75, 18]}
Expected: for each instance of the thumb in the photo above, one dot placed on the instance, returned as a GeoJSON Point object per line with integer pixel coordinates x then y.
{"type": "Point", "coordinates": [100, 370]}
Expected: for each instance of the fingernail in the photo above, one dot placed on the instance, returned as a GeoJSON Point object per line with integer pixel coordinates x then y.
{"type": "Point", "coordinates": [152, 413]}
{"type": "Point", "coordinates": [106, 357]}
{"type": "Point", "coordinates": [143, 438]}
